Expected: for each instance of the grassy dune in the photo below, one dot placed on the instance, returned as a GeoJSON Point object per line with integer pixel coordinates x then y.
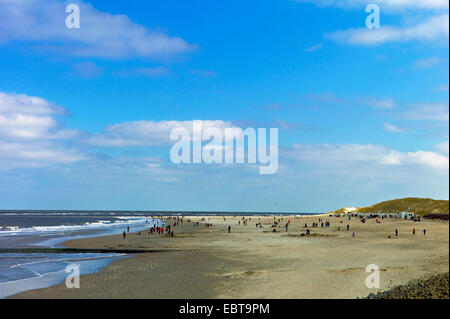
{"type": "Point", "coordinates": [419, 206]}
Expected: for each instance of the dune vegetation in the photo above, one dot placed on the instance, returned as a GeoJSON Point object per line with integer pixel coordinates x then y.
{"type": "Point", "coordinates": [418, 206]}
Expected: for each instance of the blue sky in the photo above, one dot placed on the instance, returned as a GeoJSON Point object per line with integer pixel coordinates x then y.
{"type": "Point", "coordinates": [85, 114]}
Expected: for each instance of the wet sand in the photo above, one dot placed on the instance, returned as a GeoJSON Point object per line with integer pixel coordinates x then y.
{"type": "Point", "coordinates": [253, 262]}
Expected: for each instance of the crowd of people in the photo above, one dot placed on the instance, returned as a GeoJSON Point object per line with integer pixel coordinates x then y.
{"type": "Point", "coordinates": [173, 222]}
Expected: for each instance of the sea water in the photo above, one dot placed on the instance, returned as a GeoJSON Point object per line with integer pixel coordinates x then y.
{"type": "Point", "coordinates": [25, 271]}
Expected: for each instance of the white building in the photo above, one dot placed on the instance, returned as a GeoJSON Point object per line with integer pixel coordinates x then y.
{"type": "Point", "coordinates": [406, 215]}
{"type": "Point", "coordinates": [350, 210]}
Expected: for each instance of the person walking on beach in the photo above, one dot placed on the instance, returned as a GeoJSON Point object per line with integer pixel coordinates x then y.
{"type": "Point", "coordinates": [353, 235]}
{"type": "Point", "coordinates": [424, 231]}
{"type": "Point", "coordinates": [396, 233]}
{"type": "Point", "coordinates": [348, 227]}
{"type": "Point", "coordinates": [414, 231]}
{"type": "Point", "coordinates": [128, 229]}
{"type": "Point", "coordinates": [229, 229]}
{"type": "Point", "coordinates": [124, 235]}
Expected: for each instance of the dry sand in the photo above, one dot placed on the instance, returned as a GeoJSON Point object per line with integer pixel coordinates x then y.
{"type": "Point", "coordinates": [253, 262]}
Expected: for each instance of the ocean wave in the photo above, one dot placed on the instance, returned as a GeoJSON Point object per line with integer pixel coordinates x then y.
{"type": "Point", "coordinates": [100, 224]}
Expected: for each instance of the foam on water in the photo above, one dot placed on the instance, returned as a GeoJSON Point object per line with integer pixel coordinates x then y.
{"type": "Point", "coordinates": [122, 221]}
{"type": "Point", "coordinates": [26, 271]}
{"type": "Point", "coordinates": [42, 270]}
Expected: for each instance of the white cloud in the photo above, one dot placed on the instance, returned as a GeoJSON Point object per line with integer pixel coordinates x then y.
{"type": "Point", "coordinates": [101, 34]}
{"type": "Point", "coordinates": [442, 147]}
{"type": "Point", "coordinates": [427, 158]}
{"type": "Point", "coordinates": [286, 126]}
{"type": "Point", "coordinates": [314, 48]}
{"type": "Point", "coordinates": [429, 62]}
{"type": "Point", "coordinates": [147, 133]}
{"type": "Point", "coordinates": [388, 4]}
{"type": "Point", "coordinates": [155, 72]}
{"type": "Point", "coordinates": [30, 131]}
{"type": "Point", "coordinates": [434, 28]}
{"type": "Point", "coordinates": [349, 155]}
{"type": "Point", "coordinates": [392, 128]}
{"type": "Point", "coordinates": [43, 142]}
{"type": "Point", "coordinates": [30, 117]}
{"type": "Point", "coordinates": [428, 112]}
{"type": "Point", "coordinates": [442, 87]}
{"type": "Point", "coordinates": [371, 101]}
{"type": "Point", "coordinates": [36, 154]}
{"type": "Point", "coordinates": [204, 73]}
{"type": "Point", "coordinates": [87, 69]}
{"type": "Point", "coordinates": [378, 103]}
{"type": "Point", "coordinates": [24, 104]}
{"type": "Point", "coordinates": [26, 126]}
{"type": "Point", "coordinates": [380, 57]}
{"type": "Point", "coordinates": [327, 98]}
{"type": "Point", "coordinates": [273, 106]}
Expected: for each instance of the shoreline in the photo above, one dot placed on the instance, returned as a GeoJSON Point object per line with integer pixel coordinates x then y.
{"type": "Point", "coordinates": [251, 262]}
{"type": "Point", "coordinates": [32, 253]}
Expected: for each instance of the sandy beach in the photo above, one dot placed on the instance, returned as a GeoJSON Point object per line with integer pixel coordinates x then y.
{"type": "Point", "coordinates": [255, 262]}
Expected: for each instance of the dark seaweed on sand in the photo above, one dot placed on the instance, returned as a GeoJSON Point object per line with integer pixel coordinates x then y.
{"type": "Point", "coordinates": [434, 287]}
